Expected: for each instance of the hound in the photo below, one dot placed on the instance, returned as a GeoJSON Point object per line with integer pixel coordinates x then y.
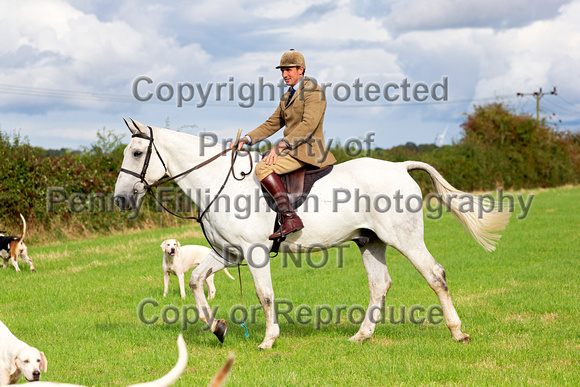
{"type": "Point", "coordinates": [18, 359]}
{"type": "Point", "coordinates": [179, 259]}
{"type": "Point", "coordinates": [11, 247]}
{"type": "Point", "coordinates": [169, 378]}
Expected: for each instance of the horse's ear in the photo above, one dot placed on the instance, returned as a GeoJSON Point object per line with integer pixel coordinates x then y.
{"type": "Point", "coordinates": [140, 127]}
{"type": "Point", "coordinates": [131, 127]}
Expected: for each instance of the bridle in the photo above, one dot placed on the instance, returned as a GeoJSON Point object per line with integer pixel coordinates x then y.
{"type": "Point", "coordinates": [150, 147]}
{"type": "Point", "coordinates": [147, 187]}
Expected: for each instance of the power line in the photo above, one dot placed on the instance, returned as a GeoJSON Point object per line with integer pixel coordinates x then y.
{"type": "Point", "coordinates": [569, 103]}
{"type": "Point", "coordinates": [562, 108]}
{"type": "Point", "coordinates": [402, 104]}
{"type": "Point", "coordinates": [63, 94]}
{"type": "Point", "coordinates": [107, 97]}
{"type": "Point", "coordinates": [538, 95]}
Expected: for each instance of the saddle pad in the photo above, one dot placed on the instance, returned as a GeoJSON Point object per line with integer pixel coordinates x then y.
{"type": "Point", "coordinates": [297, 186]}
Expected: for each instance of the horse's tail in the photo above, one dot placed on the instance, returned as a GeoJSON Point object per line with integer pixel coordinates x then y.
{"type": "Point", "coordinates": [480, 221]}
{"type": "Point", "coordinates": [23, 227]}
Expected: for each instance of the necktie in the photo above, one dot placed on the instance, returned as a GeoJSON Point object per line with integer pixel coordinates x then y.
{"type": "Point", "coordinates": [292, 91]}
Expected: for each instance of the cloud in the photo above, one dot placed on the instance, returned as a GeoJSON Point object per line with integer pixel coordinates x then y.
{"type": "Point", "coordinates": [530, 55]}
{"type": "Point", "coordinates": [497, 14]}
{"type": "Point", "coordinates": [53, 45]}
{"type": "Point", "coordinates": [65, 59]}
{"type": "Point", "coordinates": [338, 26]}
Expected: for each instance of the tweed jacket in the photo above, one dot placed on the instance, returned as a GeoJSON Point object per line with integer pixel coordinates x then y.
{"type": "Point", "coordinates": [302, 119]}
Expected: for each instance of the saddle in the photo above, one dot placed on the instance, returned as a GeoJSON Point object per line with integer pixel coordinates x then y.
{"type": "Point", "coordinates": [298, 185]}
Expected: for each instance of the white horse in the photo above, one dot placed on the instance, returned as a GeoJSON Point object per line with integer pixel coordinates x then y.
{"type": "Point", "coordinates": [373, 202]}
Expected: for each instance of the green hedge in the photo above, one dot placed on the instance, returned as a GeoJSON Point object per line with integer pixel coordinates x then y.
{"type": "Point", "coordinates": [498, 148]}
{"type": "Point", "coordinates": [80, 186]}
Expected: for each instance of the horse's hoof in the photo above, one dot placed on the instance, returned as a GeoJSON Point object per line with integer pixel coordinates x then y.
{"type": "Point", "coordinates": [263, 347]}
{"type": "Point", "coordinates": [221, 328]}
{"type": "Point", "coordinates": [357, 339]}
{"type": "Point", "coordinates": [360, 337]}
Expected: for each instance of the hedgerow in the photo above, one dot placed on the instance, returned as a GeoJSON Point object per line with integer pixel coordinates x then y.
{"type": "Point", "coordinates": [498, 148]}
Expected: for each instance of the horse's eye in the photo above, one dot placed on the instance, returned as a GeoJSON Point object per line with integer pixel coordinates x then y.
{"type": "Point", "coordinates": [137, 153]}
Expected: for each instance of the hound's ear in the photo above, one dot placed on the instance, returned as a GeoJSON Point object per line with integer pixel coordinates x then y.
{"type": "Point", "coordinates": [178, 244]}
{"type": "Point", "coordinates": [131, 127]}
{"type": "Point", "coordinates": [163, 245]}
{"type": "Point", "coordinates": [43, 362]}
{"type": "Point", "coordinates": [15, 366]}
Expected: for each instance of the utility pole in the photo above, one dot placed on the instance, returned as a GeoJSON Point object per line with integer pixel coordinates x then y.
{"type": "Point", "coordinates": [538, 95]}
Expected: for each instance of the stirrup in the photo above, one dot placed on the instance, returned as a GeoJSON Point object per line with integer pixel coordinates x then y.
{"type": "Point", "coordinates": [287, 216]}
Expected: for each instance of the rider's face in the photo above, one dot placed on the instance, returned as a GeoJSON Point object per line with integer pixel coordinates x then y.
{"type": "Point", "coordinates": [292, 75]}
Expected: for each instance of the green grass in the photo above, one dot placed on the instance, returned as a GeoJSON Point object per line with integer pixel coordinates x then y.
{"type": "Point", "coordinates": [520, 305]}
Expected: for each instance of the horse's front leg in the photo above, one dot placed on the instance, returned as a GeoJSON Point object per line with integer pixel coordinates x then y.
{"type": "Point", "coordinates": [210, 265]}
{"type": "Point", "coordinates": [259, 265]}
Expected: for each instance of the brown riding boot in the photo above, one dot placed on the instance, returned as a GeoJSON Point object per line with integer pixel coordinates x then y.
{"type": "Point", "coordinates": [291, 222]}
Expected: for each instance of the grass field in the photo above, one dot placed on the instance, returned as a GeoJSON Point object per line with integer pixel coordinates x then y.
{"type": "Point", "coordinates": [520, 304]}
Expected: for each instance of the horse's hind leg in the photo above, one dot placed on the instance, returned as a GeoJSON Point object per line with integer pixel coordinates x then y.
{"type": "Point", "coordinates": [434, 274]}
{"type": "Point", "coordinates": [373, 256]}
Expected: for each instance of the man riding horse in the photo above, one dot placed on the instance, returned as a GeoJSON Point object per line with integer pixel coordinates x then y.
{"type": "Point", "coordinates": [301, 112]}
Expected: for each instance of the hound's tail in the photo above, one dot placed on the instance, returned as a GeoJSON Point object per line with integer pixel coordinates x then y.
{"type": "Point", "coordinates": [23, 228]}
{"type": "Point", "coordinates": [228, 273]}
{"type": "Point", "coordinates": [172, 376]}
{"type": "Point", "coordinates": [482, 219]}
{"type": "Point", "coordinates": [220, 378]}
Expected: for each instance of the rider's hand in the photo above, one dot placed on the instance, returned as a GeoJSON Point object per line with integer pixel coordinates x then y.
{"type": "Point", "coordinates": [243, 141]}
{"type": "Point", "coordinates": [272, 156]}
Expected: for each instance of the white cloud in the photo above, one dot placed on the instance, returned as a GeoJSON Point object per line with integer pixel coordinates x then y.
{"type": "Point", "coordinates": [71, 50]}
{"type": "Point", "coordinates": [486, 48]}
{"type": "Point", "coordinates": [442, 14]}
{"type": "Point", "coordinates": [531, 53]}
{"type": "Point", "coordinates": [338, 26]}
{"type": "Point", "coordinates": [282, 9]}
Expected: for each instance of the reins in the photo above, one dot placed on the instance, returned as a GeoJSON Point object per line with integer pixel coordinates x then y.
{"type": "Point", "coordinates": [148, 187]}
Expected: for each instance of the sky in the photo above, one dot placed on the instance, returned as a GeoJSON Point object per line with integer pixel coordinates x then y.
{"type": "Point", "coordinates": [394, 71]}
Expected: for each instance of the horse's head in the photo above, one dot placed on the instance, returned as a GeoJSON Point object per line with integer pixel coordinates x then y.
{"type": "Point", "coordinates": [142, 165]}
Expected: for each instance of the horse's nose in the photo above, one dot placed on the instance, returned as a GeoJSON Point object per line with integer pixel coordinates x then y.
{"type": "Point", "coordinates": [121, 202]}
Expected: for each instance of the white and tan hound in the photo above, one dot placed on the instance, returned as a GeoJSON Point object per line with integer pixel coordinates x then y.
{"type": "Point", "coordinates": [179, 260]}
{"type": "Point", "coordinates": [165, 381]}
{"type": "Point", "coordinates": [18, 359]}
